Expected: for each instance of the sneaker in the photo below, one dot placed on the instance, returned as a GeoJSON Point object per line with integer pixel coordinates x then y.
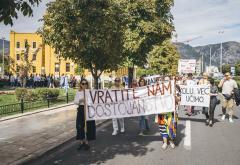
{"type": "Point", "coordinates": [230, 120]}
{"type": "Point", "coordinates": [210, 123]}
{"type": "Point", "coordinates": [207, 122]}
{"type": "Point", "coordinates": [164, 146]}
{"type": "Point", "coordinates": [115, 133]}
{"type": "Point", "coordinates": [223, 117]}
{"type": "Point", "coordinates": [172, 144]}
{"type": "Point", "coordinates": [122, 130]}
{"type": "Point", "coordinates": [141, 133]}
{"type": "Point", "coordinates": [80, 146]}
{"type": "Point", "coordinates": [86, 147]}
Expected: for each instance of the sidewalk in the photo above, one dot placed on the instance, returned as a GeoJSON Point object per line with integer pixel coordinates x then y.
{"type": "Point", "coordinates": [30, 136]}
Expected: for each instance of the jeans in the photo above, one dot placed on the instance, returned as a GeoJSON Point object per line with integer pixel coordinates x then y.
{"type": "Point", "coordinates": [143, 123]}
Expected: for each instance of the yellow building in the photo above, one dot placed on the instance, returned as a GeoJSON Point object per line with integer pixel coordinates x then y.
{"type": "Point", "coordinates": [45, 61]}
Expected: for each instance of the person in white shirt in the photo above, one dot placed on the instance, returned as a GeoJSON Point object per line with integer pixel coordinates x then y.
{"type": "Point", "coordinates": [227, 84]}
{"type": "Point", "coordinates": [117, 85]}
{"type": "Point", "coordinates": [86, 130]}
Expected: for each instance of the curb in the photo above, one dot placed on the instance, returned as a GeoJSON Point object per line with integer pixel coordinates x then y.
{"type": "Point", "coordinates": [40, 154]}
{"type": "Point", "coordinates": [33, 112]}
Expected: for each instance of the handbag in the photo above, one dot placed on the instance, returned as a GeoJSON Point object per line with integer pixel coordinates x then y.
{"type": "Point", "coordinates": [227, 96]}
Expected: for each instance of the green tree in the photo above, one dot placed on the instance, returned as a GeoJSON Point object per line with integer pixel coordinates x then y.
{"type": "Point", "coordinates": [149, 23]}
{"type": "Point", "coordinates": [10, 9]}
{"type": "Point", "coordinates": [237, 68]}
{"type": "Point", "coordinates": [164, 58]}
{"type": "Point", "coordinates": [226, 68]}
{"type": "Point", "coordinates": [26, 64]}
{"type": "Point", "coordinates": [88, 32]}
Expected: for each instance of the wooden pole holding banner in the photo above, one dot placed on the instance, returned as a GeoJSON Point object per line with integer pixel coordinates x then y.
{"type": "Point", "coordinates": [85, 110]}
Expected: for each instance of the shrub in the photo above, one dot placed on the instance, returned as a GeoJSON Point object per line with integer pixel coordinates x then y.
{"type": "Point", "coordinates": [21, 93]}
{"type": "Point", "coordinates": [53, 93]}
{"type": "Point", "coordinates": [45, 93]}
{"type": "Point", "coordinates": [32, 95]}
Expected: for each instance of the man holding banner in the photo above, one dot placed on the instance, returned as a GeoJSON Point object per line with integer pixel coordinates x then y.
{"type": "Point", "coordinates": [117, 86]}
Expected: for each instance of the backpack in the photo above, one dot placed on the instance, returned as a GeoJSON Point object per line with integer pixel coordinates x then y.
{"type": "Point", "coordinates": [236, 92]}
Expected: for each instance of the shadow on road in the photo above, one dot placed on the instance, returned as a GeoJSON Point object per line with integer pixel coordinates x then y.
{"type": "Point", "coordinates": [107, 147]}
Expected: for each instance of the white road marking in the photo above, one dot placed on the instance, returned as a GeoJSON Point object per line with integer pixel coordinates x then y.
{"type": "Point", "coordinates": [187, 138]}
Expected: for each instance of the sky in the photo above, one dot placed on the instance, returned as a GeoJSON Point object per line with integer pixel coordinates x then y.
{"type": "Point", "coordinates": [197, 20]}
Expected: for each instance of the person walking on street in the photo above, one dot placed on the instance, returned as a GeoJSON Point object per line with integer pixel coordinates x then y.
{"type": "Point", "coordinates": [204, 81]}
{"type": "Point", "coordinates": [228, 85]}
{"type": "Point", "coordinates": [86, 130]}
{"type": "Point", "coordinates": [213, 103]}
{"type": "Point", "coordinates": [117, 85]}
{"type": "Point", "coordinates": [168, 122]}
{"type": "Point", "coordinates": [143, 120]}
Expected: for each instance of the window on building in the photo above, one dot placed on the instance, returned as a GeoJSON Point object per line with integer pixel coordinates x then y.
{"type": "Point", "coordinates": [26, 44]}
{"type": "Point", "coordinates": [18, 56]}
{"type": "Point", "coordinates": [18, 44]}
{"type": "Point", "coordinates": [57, 67]}
{"type": "Point", "coordinates": [34, 45]}
{"type": "Point", "coordinates": [18, 68]}
{"type": "Point", "coordinates": [67, 67]}
{"type": "Point", "coordinates": [34, 57]}
{"type": "Point", "coordinates": [34, 69]}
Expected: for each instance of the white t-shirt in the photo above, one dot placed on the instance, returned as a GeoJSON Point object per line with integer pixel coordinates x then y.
{"type": "Point", "coordinates": [228, 86]}
{"type": "Point", "coordinates": [79, 98]}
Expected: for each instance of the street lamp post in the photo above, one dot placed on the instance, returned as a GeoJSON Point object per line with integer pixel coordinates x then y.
{"type": "Point", "coordinates": [210, 62]}
{"type": "Point", "coordinates": [3, 58]}
{"type": "Point", "coordinates": [221, 32]}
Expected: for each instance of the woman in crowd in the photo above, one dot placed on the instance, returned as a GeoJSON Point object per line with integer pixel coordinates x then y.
{"type": "Point", "coordinates": [117, 85]}
{"type": "Point", "coordinates": [86, 130]}
{"type": "Point", "coordinates": [168, 123]}
{"type": "Point", "coordinates": [213, 103]}
{"type": "Point", "coordinates": [143, 120]}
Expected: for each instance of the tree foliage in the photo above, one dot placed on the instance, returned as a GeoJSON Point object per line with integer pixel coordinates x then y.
{"type": "Point", "coordinates": [149, 23]}
{"type": "Point", "coordinates": [9, 9]}
{"type": "Point", "coordinates": [88, 32]}
{"type": "Point", "coordinates": [226, 68]}
{"type": "Point", "coordinates": [164, 58]}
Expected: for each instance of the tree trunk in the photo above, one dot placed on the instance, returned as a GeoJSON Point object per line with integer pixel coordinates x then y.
{"type": "Point", "coordinates": [95, 81]}
{"type": "Point", "coordinates": [130, 75]}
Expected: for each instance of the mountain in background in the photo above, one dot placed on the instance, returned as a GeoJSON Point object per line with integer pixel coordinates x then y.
{"type": "Point", "coordinates": [230, 51]}
{"type": "Point", "coordinates": [6, 45]}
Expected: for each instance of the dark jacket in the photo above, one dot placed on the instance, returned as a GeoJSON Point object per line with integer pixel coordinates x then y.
{"type": "Point", "coordinates": [236, 93]}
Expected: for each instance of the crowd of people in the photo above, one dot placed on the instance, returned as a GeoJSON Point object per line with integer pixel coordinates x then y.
{"type": "Point", "coordinates": [167, 122]}
{"type": "Point", "coordinates": [42, 80]}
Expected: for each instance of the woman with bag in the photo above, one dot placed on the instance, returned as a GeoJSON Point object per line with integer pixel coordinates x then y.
{"type": "Point", "coordinates": [86, 130]}
{"type": "Point", "coordinates": [213, 102]}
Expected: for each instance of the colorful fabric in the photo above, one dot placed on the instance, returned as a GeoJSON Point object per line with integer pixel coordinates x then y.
{"type": "Point", "coordinates": [168, 125]}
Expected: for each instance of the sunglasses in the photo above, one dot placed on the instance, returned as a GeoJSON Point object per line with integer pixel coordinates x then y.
{"type": "Point", "coordinates": [84, 83]}
{"type": "Point", "coordinates": [117, 80]}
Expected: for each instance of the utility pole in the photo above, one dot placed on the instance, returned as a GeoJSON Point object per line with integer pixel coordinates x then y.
{"type": "Point", "coordinates": [3, 58]}
{"type": "Point", "coordinates": [221, 32]}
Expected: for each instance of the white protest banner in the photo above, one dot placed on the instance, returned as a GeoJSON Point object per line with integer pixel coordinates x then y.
{"type": "Point", "coordinates": [196, 95]}
{"type": "Point", "coordinates": [119, 103]}
{"type": "Point", "coordinates": [187, 66]}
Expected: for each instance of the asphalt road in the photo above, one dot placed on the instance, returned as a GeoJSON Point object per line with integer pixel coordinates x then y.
{"type": "Point", "coordinates": [197, 144]}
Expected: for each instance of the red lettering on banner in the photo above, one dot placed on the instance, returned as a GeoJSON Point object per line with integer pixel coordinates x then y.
{"type": "Point", "coordinates": [150, 91]}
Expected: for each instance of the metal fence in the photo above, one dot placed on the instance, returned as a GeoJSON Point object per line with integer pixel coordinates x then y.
{"type": "Point", "coordinates": [26, 106]}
